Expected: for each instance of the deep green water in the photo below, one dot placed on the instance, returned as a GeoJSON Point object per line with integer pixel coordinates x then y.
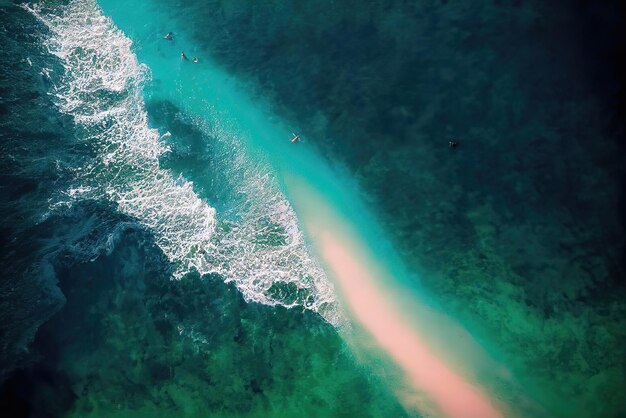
{"type": "Point", "coordinates": [128, 340]}
{"type": "Point", "coordinates": [517, 234]}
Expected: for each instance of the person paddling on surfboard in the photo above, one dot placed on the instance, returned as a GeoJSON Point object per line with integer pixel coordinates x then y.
{"type": "Point", "coordinates": [295, 138]}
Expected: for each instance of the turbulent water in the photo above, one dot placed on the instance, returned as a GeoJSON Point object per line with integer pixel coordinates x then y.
{"type": "Point", "coordinates": [158, 259]}
{"type": "Point", "coordinates": [255, 244]}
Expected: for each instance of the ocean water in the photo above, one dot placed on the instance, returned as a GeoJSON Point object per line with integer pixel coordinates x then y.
{"type": "Point", "coordinates": [162, 236]}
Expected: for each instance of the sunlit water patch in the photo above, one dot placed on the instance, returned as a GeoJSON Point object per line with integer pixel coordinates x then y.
{"type": "Point", "coordinates": [256, 244]}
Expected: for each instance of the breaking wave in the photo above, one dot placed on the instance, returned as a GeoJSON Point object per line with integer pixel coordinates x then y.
{"type": "Point", "coordinates": [261, 249]}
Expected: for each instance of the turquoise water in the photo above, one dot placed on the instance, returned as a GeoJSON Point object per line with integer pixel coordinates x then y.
{"type": "Point", "coordinates": [156, 193]}
{"type": "Point", "coordinates": [203, 89]}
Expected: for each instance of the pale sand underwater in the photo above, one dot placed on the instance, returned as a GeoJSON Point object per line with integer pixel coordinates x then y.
{"type": "Point", "coordinates": [357, 274]}
{"type": "Point", "coordinates": [443, 376]}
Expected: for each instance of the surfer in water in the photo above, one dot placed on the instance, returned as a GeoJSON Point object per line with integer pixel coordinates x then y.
{"type": "Point", "coordinates": [295, 138]}
{"type": "Point", "coordinates": [169, 36]}
{"type": "Point", "coordinates": [183, 56]}
{"type": "Point", "coordinates": [195, 60]}
{"type": "Point", "coordinates": [453, 144]}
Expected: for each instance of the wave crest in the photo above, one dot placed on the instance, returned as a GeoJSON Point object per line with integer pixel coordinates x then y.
{"type": "Point", "coordinates": [101, 88]}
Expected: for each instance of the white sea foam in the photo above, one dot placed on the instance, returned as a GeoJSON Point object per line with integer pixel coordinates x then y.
{"type": "Point", "coordinates": [102, 90]}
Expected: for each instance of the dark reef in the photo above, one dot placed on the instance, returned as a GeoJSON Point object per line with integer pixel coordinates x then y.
{"type": "Point", "coordinates": [521, 231]}
{"type": "Point", "coordinates": [129, 340]}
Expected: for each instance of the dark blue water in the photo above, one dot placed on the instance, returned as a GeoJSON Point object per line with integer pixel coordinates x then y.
{"type": "Point", "coordinates": [518, 232]}
{"type": "Point", "coordinates": [34, 136]}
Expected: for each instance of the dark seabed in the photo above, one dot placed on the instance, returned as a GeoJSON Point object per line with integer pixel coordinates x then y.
{"type": "Point", "coordinates": [517, 233]}
{"type": "Point", "coordinates": [92, 324]}
{"type": "Point", "coordinates": [520, 229]}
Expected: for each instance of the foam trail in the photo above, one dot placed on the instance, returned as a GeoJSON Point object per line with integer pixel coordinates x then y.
{"type": "Point", "coordinates": [102, 89]}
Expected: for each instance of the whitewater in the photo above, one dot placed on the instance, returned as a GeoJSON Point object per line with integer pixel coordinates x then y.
{"type": "Point", "coordinates": [293, 220]}
{"type": "Point", "coordinates": [102, 90]}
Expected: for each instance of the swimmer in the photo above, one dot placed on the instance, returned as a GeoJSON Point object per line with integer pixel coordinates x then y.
{"type": "Point", "coordinates": [169, 36]}
{"type": "Point", "coordinates": [453, 144]}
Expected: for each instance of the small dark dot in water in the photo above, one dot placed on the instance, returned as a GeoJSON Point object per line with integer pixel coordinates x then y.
{"type": "Point", "coordinates": [255, 387]}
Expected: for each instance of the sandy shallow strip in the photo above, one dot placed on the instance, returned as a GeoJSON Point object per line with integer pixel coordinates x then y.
{"type": "Point", "coordinates": [357, 275]}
